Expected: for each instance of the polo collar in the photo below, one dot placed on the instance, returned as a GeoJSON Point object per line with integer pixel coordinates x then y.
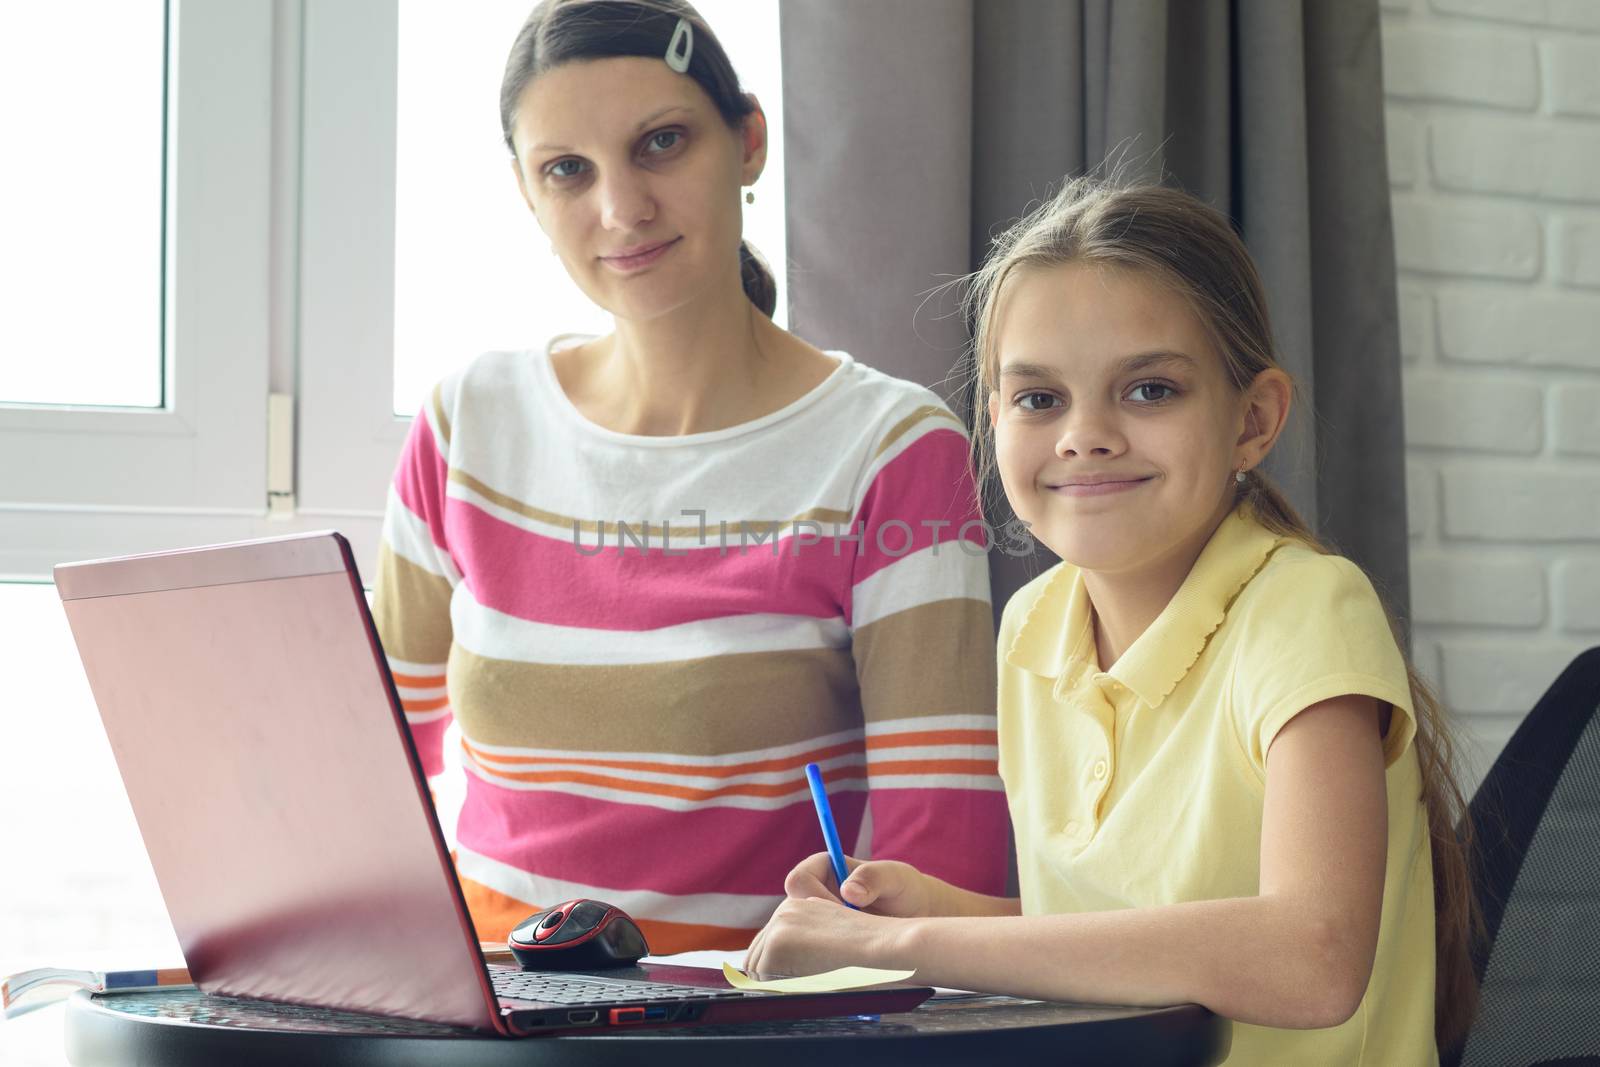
{"type": "Point", "coordinates": [1056, 637]}
{"type": "Point", "coordinates": [1052, 635]}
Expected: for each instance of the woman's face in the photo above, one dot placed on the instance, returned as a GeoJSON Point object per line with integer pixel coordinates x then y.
{"type": "Point", "coordinates": [635, 177]}
{"type": "Point", "coordinates": [1116, 429]}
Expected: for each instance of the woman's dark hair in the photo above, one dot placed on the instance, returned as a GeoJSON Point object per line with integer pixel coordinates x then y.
{"type": "Point", "coordinates": [565, 31]}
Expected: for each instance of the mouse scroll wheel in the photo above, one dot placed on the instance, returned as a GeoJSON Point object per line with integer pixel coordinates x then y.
{"type": "Point", "coordinates": [552, 920]}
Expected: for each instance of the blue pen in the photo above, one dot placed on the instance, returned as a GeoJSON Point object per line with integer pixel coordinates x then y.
{"type": "Point", "coordinates": [830, 832]}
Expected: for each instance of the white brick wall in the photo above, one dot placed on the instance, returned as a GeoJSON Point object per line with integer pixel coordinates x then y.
{"type": "Point", "coordinates": [1493, 113]}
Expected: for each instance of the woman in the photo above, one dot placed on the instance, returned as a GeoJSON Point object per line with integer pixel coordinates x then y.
{"type": "Point", "coordinates": [652, 574]}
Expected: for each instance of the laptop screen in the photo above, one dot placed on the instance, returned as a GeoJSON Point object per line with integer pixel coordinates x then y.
{"type": "Point", "coordinates": [244, 695]}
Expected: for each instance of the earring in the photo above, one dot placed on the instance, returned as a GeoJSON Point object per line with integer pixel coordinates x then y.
{"type": "Point", "coordinates": [750, 196]}
{"type": "Point", "coordinates": [1238, 476]}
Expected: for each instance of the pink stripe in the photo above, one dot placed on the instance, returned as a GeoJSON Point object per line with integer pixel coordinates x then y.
{"type": "Point", "coordinates": [546, 579]}
{"type": "Point", "coordinates": [959, 835]}
{"type": "Point", "coordinates": [421, 478]}
{"type": "Point", "coordinates": [429, 739]}
{"type": "Point", "coordinates": [930, 482]}
{"type": "Point", "coordinates": [627, 588]}
{"type": "Point", "coordinates": [633, 846]}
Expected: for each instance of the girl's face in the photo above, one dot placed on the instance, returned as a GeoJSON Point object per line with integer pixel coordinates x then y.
{"type": "Point", "coordinates": [1116, 430]}
{"type": "Point", "coordinates": [635, 177]}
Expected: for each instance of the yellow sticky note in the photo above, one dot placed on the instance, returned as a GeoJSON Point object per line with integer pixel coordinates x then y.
{"type": "Point", "coordinates": [827, 982]}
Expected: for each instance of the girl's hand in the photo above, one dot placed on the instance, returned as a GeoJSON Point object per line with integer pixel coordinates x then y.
{"type": "Point", "coordinates": [812, 935]}
{"type": "Point", "coordinates": [882, 887]}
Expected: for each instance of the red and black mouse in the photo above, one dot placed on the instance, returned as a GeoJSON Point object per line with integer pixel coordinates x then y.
{"type": "Point", "coordinates": [580, 935]}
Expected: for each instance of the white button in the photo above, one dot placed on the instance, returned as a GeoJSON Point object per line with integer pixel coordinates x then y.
{"type": "Point", "coordinates": [1100, 768]}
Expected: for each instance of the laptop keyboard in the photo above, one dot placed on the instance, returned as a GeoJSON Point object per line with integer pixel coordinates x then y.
{"type": "Point", "coordinates": [555, 988]}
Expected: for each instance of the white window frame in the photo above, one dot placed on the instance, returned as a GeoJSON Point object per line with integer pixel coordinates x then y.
{"type": "Point", "coordinates": [347, 425]}
{"type": "Point", "coordinates": [84, 481]}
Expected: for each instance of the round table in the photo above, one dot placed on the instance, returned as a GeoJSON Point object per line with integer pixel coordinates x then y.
{"type": "Point", "coordinates": [183, 1026]}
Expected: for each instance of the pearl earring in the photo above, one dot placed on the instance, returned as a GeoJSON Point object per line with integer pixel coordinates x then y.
{"type": "Point", "coordinates": [1238, 476]}
{"type": "Point", "coordinates": [750, 196]}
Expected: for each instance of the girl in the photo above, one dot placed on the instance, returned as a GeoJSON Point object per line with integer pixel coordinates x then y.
{"type": "Point", "coordinates": [652, 574]}
{"type": "Point", "coordinates": [1226, 784]}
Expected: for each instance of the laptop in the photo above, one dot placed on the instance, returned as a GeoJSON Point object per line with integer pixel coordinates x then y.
{"type": "Point", "coordinates": [251, 712]}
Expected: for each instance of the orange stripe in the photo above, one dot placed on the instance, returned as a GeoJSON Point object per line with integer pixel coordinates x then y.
{"type": "Point", "coordinates": [934, 737]}
{"type": "Point", "coordinates": [494, 914]}
{"type": "Point", "coordinates": [980, 768]}
{"type": "Point", "coordinates": [935, 766]}
{"type": "Point", "coordinates": [418, 681]}
{"type": "Point", "coordinates": [668, 937]}
{"type": "Point", "coordinates": [682, 792]}
{"type": "Point", "coordinates": [424, 705]}
{"type": "Point", "coordinates": [783, 763]}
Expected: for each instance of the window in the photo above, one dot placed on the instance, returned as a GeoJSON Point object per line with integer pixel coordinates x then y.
{"type": "Point", "coordinates": [83, 224]}
{"type": "Point", "coordinates": [81, 480]}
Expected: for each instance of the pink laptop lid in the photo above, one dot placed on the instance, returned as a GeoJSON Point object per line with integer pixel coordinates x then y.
{"type": "Point", "coordinates": [266, 758]}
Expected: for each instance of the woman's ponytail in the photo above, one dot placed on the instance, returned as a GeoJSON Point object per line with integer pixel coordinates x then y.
{"type": "Point", "coordinates": [756, 277]}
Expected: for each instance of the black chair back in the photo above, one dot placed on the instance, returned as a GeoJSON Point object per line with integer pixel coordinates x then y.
{"type": "Point", "coordinates": [1537, 819]}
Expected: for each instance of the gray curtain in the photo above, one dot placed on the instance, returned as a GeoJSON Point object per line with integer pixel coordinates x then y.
{"type": "Point", "coordinates": [916, 128]}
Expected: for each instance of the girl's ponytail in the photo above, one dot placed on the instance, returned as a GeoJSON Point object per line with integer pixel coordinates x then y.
{"type": "Point", "coordinates": [1458, 917]}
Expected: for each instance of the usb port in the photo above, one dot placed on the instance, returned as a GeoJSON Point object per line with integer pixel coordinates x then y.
{"type": "Point", "coordinates": [654, 1014]}
{"type": "Point", "coordinates": [582, 1016]}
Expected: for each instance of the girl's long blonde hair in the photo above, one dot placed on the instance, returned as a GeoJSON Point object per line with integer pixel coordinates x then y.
{"type": "Point", "coordinates": [1186, 246]}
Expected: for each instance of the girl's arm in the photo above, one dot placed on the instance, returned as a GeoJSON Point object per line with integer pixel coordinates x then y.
{"type": "Point", "coordinates": [1297, 955]}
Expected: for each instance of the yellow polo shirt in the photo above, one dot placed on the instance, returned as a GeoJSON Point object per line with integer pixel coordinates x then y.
{"type": "Point", "coordinates": [1143, 785]}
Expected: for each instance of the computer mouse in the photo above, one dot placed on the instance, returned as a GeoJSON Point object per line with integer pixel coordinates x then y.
{"type": "Point", "coordinates": [579, 935]}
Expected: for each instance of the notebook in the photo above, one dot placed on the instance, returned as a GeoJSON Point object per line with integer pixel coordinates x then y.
{"type": "Point", "coordinates": [252, 716]}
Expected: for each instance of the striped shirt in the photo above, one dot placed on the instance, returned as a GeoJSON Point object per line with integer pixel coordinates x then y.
{"type": "Point", "coordinates": [644, 640]}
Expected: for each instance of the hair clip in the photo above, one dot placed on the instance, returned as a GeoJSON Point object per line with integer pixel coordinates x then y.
{"type": "Point", "coordinates": [681, 47]}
